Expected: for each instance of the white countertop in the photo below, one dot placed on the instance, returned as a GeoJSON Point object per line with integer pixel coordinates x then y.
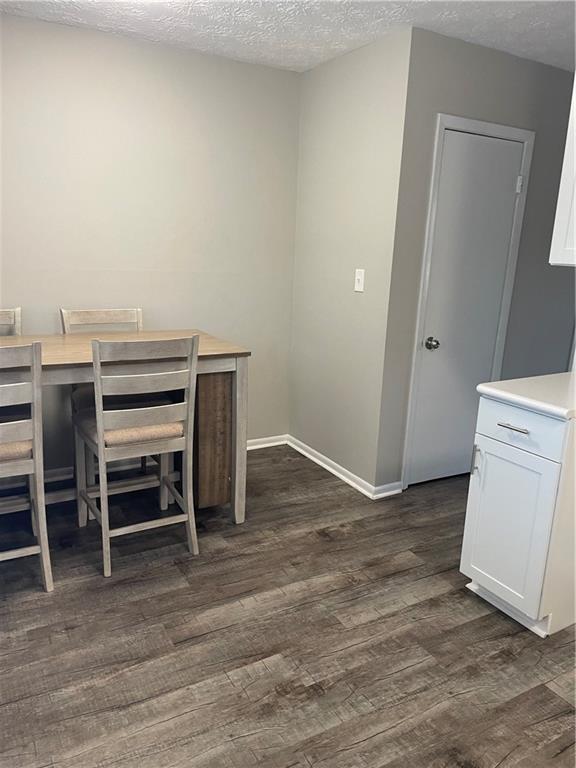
{"type": "Point", "coordinates": [553, 395]}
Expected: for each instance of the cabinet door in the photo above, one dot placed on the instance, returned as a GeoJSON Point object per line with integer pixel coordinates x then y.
{"type": "Point", "coordinates": [508, 522]}
{"type": "Point", "coordinates": [562, 250]}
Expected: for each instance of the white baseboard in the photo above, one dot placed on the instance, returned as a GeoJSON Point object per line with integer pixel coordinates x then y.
{"type": "Point", "coordinates": [388, 489]}
{"type": "Point", "coordinates": [267, 442]}
{"type": "Point", "coordinates": [373, 492]}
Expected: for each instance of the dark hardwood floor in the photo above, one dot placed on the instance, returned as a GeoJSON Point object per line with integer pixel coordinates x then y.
{"type": "Point", "coordinates": [328, 631]}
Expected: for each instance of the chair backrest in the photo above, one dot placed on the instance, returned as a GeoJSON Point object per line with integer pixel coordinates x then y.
{"type": "Point", "coordinates": [135, 368]}
{"type": "Point", "coordinates": [21, 377]}
{"type": "Point", "coordinates": [83, 320]}
{"type": "Point", "coordinates": [11, 322]}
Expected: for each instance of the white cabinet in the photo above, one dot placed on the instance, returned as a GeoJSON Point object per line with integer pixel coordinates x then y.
{"type": "Point", "coordinates": [518, 545]}
{"type": "Point", "coordinates": [508, 522]}
{"type": "Point", "coordinates": [562, 251]}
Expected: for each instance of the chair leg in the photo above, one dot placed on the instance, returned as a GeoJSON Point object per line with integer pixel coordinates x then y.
{"type": "Point", "coordinates": [80, 451]}
{"type": "Point", "coordinates": [162, 473]}
{"type": "Point", "coordinates": [32, 493]}
{"type": "Point", "coordinates": [39, 504]}
{"type": "Point", "coordinates": [171, 499]}
{"type": "Point", "coordinates": [187, 495]}
{"type": "Point", "coordinates": [143, 464]}
{"type": "Point", "coordinates": [90, 463]}
{"type": "Point", "coordinates": [106, 555]}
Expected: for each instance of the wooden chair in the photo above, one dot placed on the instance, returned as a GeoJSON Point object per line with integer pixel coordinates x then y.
{"type": "Point", "coordinates": [21, 441]}
{"type": "Point", "coordinates": [11, 325]}
{"type": "Point", "coordinates": [84, 321]}
{"type": "Point", "coordinates": [113, 433]}
{"type": "Point", "coordinates": [11, 322]}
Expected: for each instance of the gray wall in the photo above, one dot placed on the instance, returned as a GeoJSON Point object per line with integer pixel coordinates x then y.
{"type": "Point", "coordinates": [136, 174]}
{"type": "Point", "coordinates": [458, 78]}
{"type": "Point", "coordinates": [351, 124]}
{"type": "Point", "coordinates": [240, 199]}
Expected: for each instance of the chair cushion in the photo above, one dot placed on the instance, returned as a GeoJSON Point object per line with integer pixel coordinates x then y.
{"type": "Point", "coordinates": [22, 449]}
{"type": "Point", "coordinates": [129, 435]}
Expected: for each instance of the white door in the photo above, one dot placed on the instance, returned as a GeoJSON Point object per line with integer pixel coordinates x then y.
{"type": "Point", "coordinates": [470, 245]}
{"type": "Point", "coordinates": [508, 522]}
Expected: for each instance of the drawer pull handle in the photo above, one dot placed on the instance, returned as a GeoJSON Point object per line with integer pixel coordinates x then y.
{"type": "Point", "coordinates": [513, 428]}
{"type": "Point", "coordinates": [473, 466]}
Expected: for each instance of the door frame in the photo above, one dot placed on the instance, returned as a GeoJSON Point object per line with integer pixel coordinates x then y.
{"type": "Point", "coordinates": [445, 123]}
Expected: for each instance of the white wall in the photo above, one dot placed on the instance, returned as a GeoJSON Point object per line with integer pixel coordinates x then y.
{"type": "Point", "coordinates": [136, 174]}
{"type": "Point", "coordinates": [351, 124]}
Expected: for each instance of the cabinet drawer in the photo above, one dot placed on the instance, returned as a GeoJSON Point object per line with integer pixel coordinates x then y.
{"type": "Point", "coordinates": [533, 432]}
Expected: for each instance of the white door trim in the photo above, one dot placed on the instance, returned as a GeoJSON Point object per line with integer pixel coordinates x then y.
{"type": "Point", "coordinates": [493, 130]}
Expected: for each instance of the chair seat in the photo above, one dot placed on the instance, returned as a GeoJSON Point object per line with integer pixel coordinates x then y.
{"type": "Point", "coordinates": [86, 422]}
{"type": "Point", "coordinates": [22, 449]}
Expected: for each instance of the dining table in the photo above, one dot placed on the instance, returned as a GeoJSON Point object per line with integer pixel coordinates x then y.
{"type": "Point", "coordinates": [221, 409]}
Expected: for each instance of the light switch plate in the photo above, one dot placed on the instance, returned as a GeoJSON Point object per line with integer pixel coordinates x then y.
{"type": "Point", "coordinates": [359, 281]}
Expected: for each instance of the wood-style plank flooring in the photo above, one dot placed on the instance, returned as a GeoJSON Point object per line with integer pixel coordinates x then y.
{"type": "Point", "coordinates": [328, 631]}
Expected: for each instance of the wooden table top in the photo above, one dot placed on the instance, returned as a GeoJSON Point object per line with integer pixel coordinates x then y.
{"type": "Point", "coordinates": [76, 348]}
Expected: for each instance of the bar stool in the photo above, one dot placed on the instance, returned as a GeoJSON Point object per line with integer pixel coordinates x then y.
{"type": "Point", "coordinates": [11, 325]}
{"type": "Point", "coordinates": [11, 322]}
{"type": "Point", "coordinates": [113, 432]}
{"type": "Point", "coordinates": [86, 320]}
{"type": "Point", "coordinates": [21, 441]}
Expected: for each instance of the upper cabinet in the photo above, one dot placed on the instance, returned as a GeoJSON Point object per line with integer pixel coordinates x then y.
{"type": "Point", "coordinates": [562, 251]}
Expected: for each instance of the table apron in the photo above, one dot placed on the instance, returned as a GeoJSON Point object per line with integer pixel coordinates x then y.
{"type": "Point", "coordinates": [58, 375]}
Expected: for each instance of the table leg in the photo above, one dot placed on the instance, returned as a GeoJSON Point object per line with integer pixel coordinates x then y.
{"type": "Point", "coordinates": [239, 438]}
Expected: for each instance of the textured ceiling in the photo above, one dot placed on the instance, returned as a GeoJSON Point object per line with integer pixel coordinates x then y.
{"type": "Point", "coordinates": [299, 34]}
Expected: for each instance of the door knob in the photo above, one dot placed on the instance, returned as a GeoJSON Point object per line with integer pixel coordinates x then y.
{"type": "Point", "coordinates": [431, 343]}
